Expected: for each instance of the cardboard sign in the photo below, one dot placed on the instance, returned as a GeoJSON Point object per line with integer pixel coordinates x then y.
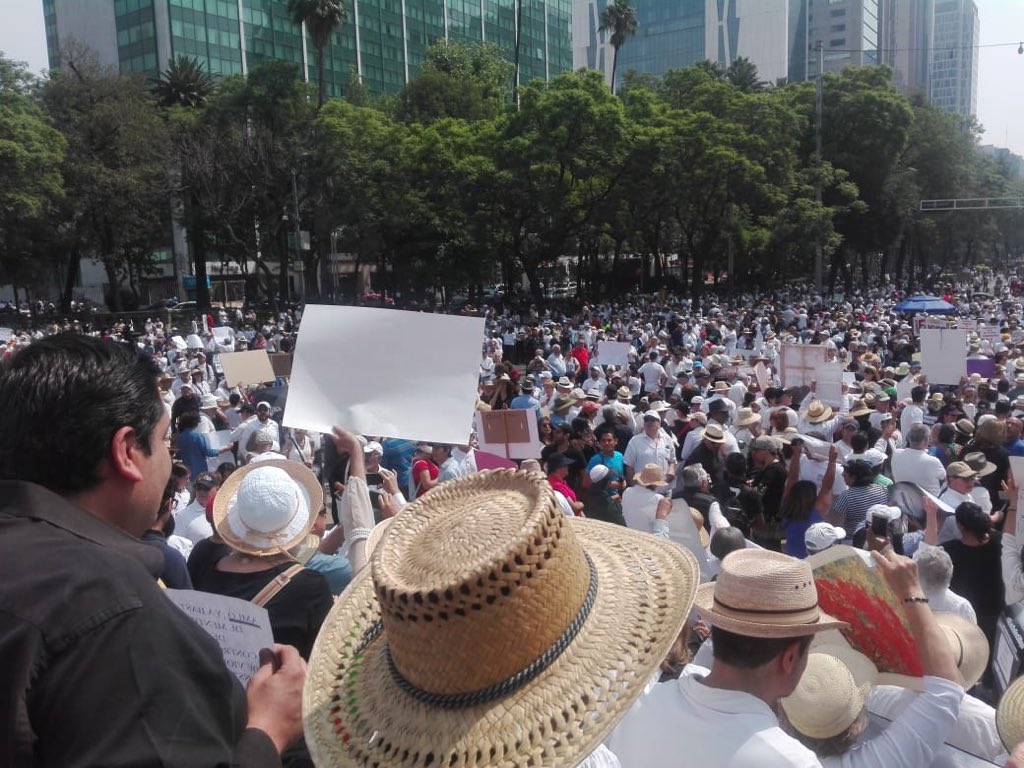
{"type": "Point", "coordinates": [252, 367]}
{"type": "Point", "coordinates": [944, 355]}
{"type": "Point", "coordinates": [240, 628]}
{"type": "Point", "coordinates": [829, 387]}
{"type": "Point", "coordinates": [798, 363]}
{"type": "Point", "coordinates": [612, 353]}
{"type": "Point", "coordinates": [194, 342]}
{"type": "Point", "coordinates": [281, 362]}
{"type": "Point", "coordinates": [385, 372]}
{"type": "Point", "coordinates": [853, 591]}
{"type": "Point", "coordinates": [179, 343]}
{"type": "Point", "coordinates": [509, 434]}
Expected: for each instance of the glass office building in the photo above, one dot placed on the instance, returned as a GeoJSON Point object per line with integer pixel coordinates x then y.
{"type": "Point", "coordinates": [384, 41]}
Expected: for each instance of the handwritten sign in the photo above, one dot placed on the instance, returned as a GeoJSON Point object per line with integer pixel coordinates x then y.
{"type": "Point", "coordinates": [799, 363]}
{"type": "Point", "coordinates": [612, 353]}
{"type": "Point", "coordinates": [240, 628]}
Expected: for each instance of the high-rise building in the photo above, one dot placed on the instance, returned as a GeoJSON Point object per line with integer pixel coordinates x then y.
{"type": "Point", "coordinates": [849, 32]}
{"type": "Point", "coordinates": [953, 58]}
{"type": "Point", "coordinates": [384, 41]}
{"type": "Point", "coordinates": [679, 33]}
{"type": "Point", "coordinates": [908, 43]}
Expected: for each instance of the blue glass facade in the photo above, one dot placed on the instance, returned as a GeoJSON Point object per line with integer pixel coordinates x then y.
{"type": "Point", "coordinates": [670, 35]}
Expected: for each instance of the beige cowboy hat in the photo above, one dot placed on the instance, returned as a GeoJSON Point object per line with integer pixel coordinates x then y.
{"type": "Point", "coordinates": [721, 386]}
{"type": "Point", "coordinates": [969, 646]}
{"type": "Point", "coordinates": [623, 394]}
{"type": "Point", "coordinates": [702, 533]}
{"type": "Point", "coordinates": [817, 412]}
{"type": "Point", "coordinates": [267, 508]}
{"type": "Point", "coordinates": [760, 593]}
{"type": "Point", "coordinates": [1010, 715]}
{"type": "Point", "coordinates": [965, 427]}
{"type": "Point", "coordinates": [745, 417]}
{"type": "Point", "coordinates": [485, 625]}
{"type": "Point", "coordinates": [651, 474]}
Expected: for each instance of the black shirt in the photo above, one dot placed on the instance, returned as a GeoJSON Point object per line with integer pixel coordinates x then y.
{"type": "Point", "coordinates": [174, 574]}
{"type": "Point", "coordinates": [770, 483]}
{"type": "Point", "coordinates": [99, 667]}
{"type": "Point", "coordinates": [978, 574]}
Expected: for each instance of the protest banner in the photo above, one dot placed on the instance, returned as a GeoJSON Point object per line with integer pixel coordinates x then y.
{"type": "Point", "coordinates": [798, 363]}
{"type": "Point", "coordinates": [944, 355]}
{"type": "Point", "coordinates": [612, 353]}
{"type": "Point", "coordinates": [829, 386]}
{"type": "Point", "coordinates": [986, 368]}
{"type": "Point", "coordinates": [240, 628]}
{"type": "Point", "coordinates": [252, 367]}
{"type": "Point", "coordinates": [425, 368]}
{"type": "Point", "coordinates": [281, 363]}
{"type": "Point", "coordinates": [508, 434]}
{"type": "Point", "coordinates": [762, 375]}
{"type": "Point", "coordinates": [224, 335]}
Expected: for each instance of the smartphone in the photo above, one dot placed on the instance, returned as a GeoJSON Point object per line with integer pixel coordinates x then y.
{"type": "Point", "coordinates": [880, 526]}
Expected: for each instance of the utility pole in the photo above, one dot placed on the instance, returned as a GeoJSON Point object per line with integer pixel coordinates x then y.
{"type": "Point", "coordinates": [819, 105]}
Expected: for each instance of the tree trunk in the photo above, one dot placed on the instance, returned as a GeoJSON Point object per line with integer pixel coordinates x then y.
{"type": "Point", "coordinates": [197, 238]}
{"type": "Point", "coordinates": [114, 281]}
{"type": "Point", "coordinates": [320, 78]}
{"type": "Point", "coordinates": [615, 64]}
{"type": "Point", "coordinates": [68, 294]}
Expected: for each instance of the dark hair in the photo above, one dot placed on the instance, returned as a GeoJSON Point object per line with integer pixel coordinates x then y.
{"type": "Point", "coordinates": [89, 388]}
{"type": "Point", "coordinates": [947, 433]}
{"type": "Point", "coordinates": [797, 505]}
{"type": "Point", "coordinates": [727, 540]}
{"type": "Point", "coordinates": [226, 468]}
{"type": "Point", "coordinates": [188, 420]}
{"type": "Point", "coordinates": [234, 398]}
{"type": "Point", "coordinates": [736, 466]}
{"type": "Point", "coordinates": [973, 519]}
{"type": "Point", "coordinates": [179, 470]}
{"type": "Point", "coordinates": [917, 394]}
{"type": "Point", "coordinates": [859, 442]}
{"type": "Point", "coordinates": [752, 652]}
{"type": "Point", "coordinates": [860, 471]}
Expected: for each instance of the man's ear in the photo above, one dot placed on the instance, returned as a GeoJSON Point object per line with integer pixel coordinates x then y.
{"type": "Point", "coordinates": [126, 454]}
{"type": "Point", "coordinates": [790, 657]}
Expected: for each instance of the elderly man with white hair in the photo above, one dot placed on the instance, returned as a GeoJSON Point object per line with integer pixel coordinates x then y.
{"type": "Point", "coordinates": [915, 465]}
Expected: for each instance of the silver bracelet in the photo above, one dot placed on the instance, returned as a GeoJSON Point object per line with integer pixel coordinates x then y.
{"type": "Point", "coordinates": [357, 534]}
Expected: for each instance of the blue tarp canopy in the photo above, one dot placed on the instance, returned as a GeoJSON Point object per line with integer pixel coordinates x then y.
{"type": "Point", "coordinates": [933, 305]}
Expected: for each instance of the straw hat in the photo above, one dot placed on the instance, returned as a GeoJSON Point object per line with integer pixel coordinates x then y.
{"type": "Point", "coordinates": [817, 412]}
{"type": "Point", "coordinates": [702, 533]}
{"type": "Point", "coordinates": [265, 508]}
{"type": "Point", "coordinates": [721, 386]}
{"type": "Point", "coordinates": [485, 629]}
{"type": "Point", "coordinates": [745, 417]}
{"type": "Point", "coordinates": [860, 408]}
{"type": "Point", "coordinates": [827, 700]}
{"type": "Point", "coordinates": [965, 427]}
{"type": "Point", "coordinates": [714, 433]}
{"type": "Point", "coordinates": [976, 460]}
{"type": "Point", "coordinates": [651, 474]}
{"type": "Point", "coordinates": [623, 394]}
{"type": "Point", "coordinates": [1010, 715]}
{"type": "Point", "coordinates": [760, 593]}
{"type": "Point", "coordinates": [969, 646]}
{"type": "Point", "coordinates": [562, 404]}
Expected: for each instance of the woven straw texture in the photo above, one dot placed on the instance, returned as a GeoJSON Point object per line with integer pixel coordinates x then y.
{"type": "Point", "coordinates": [827, 700]}
{"type": "Point", "coordinates": [472, 583]}
{"type": "Point", "coordinates": [760, 593]}
{"type": "Point", "coordinates": [1010, 715]}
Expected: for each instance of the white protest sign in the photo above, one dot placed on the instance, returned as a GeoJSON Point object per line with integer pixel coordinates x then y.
{"type": "Point", "coordinates": [612, 353]}
{"type": "Point", "coordinates": [252, 367]}
{"type": "Point", "coordinates": [829, 386]}
{"type": "Point", "coordinates": [240, 628]}
{"type": "Point", "coordinates": [6, 334]}
{"type": "Point", "coordinates": [224, 335]}
{"type": "Point", "coordinates": [762, 375]}
{"type": "Point", "coordinates": [219, 439]}
{"type": "Point", "coordinates": [179, 343]}
{"type": "Point", "coordinates": [849, 377]}
{"type": "Point", "coordinates": [385, 372]}
{"type": "Point", "coordinates": [194, 342]}
{"type": "Point", "coordinates": [989, 333]}
{"type": "Point", "coordinates": [944, 355]}
{"type": "Point", "coordinates": [799, 362]}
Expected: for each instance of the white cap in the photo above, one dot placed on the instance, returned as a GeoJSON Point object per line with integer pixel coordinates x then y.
{"type": "Point", "coordinates": [598, 473]}
{"type": "Point", "coordinates": [373, 447]}
{"type": "Point", "coordinates": [821, 536]}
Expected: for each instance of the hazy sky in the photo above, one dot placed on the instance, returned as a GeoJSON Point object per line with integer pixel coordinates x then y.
{"type": "Point", "coordinates": [1000, 80]}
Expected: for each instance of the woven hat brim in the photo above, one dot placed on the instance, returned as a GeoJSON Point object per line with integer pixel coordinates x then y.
{"type": "Point", "coordinates": [221, 503]}
{"type": "Point", "coordinates": [704, 602]}
{"type": "Point", "coordinates": [355, 714]}
{"type": "Point", "coordinates": [1010, 715]}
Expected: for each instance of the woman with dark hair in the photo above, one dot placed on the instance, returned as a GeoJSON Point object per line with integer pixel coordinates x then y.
{"type": "Point", "coordinates": [803, 504]}
{"type": "Point", "coordinates": [977, 566]}
{"type": "Point", "coordinates": [989, 438]}
{"type": "Point", "coordinates": [945, 448]}
{"type": "Point", "coordinates": [545, 431]}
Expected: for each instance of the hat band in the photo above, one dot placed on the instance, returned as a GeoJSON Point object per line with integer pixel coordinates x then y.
{"type": "Point", "coordinates": [504, 687]}
{"type": "Point", "coordinates": [808, 615]}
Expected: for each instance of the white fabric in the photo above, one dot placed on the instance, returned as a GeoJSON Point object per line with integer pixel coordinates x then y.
{"type": "Point", "coordinates": [198, 530]}
{"type": "Point", "coordinates": [686, 723]}
{"type": "Point", "coordinates": [975, 729]}
{"type": "Point", "coordinates": [914, 466]}
{"type": "Point", "coordinates": [949, 601]}
{"type": "Point", "coordinates": [912, 414]}
{"type": "Point", "coordinates": [1013, 574]}
{"type": "Point", "coordinates": [642, 450]}
{"type": "Point", "coordinates": [639, 507]}
{"type": "Point", "coordinates": [183, 518]}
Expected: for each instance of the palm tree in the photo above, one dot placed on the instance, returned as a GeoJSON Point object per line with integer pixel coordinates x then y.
{"type": "Point", "coordinates": [322, 18]}
{"type": "Point", "coordinates": [619, 18]}
{"type": "Point", "coordinates": [185, 82]}
{"type": "Point", "coordinates": [743, 74]}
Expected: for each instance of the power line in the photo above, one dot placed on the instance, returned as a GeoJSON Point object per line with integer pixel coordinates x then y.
{"type": "Point", "coordinates": [944, 49]}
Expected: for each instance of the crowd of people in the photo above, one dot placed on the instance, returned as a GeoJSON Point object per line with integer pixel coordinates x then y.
{"type": "Point", "coordinates": [543, 615]}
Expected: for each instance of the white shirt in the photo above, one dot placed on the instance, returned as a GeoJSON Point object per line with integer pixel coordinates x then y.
{"type": "Point", "coordinates": [912, 414]}
{"type": "Point", "coordinates": [653, 374]}
{"type": "Point", "coordinates": [915, 466]}
{"type": "Point", "coordinates": [198, 530]}
{"type": "Point", "coordinates": [184, 517]}
{"type": "Point", "coordinates": [686, 723]}
{"type": "Point", "coordinates": [948, 601]}
{"type": "Point", "coordinates": [639, 507]}
{"type": "Point", "coordinates": [642, 450]}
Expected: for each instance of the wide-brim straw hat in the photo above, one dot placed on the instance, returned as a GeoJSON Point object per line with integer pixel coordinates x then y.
{"type": "Point", "coordinates": [860, 408]}
{"type": "Point", "coordinates": [714, 433]}
{"type": "Point", "coordinates": [745, 417]}
{"type": "Point", "coordinates": [267, 508]}
{"type": "Point", "coordinates": [1010, 715]}
{"type": "Point", "coordinates": [817, 412]}
{"type": "Point", "coordinates": [969, 646]}
{"type": "Point", "coordinates": [651, 474]}
{"type": "Point", "coordinates": [490, 629]}
{"type": "Point", "coordinates": [702, 532]}
{"type": "Point", "coordinates": [760, 593]}
{"type": "Point", "coordinates": [827, 700]}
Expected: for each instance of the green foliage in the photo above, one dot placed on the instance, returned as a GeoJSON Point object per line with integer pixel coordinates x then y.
{"type": "Point", "coordinates": [619, 20]}
{"type": "Point", "coordinates": [322, 19]}
{"type": "Point", "coordinates": [466, 81]}
{"type": "Point", "coordinates": [185, 83]}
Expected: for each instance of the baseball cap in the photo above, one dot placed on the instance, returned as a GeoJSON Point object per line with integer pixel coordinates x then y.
{"type": "Point", "coordinates": [206, 480]}
{"type": "Point", "coordinates": [652, 416]}
{"type": "Point", "coordinates": [559, 460]}
{"type": "Point", "coordinates": [821, 536]}
{"type": "Point", "coordinates": [263, 404]}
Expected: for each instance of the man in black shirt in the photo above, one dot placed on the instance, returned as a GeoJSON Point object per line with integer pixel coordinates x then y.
{"type": "Point", "coordinates": [99, 667]}
{"type": "Point", "coordinates": [769, 478]}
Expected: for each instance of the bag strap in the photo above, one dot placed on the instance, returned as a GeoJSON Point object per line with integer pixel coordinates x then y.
{"type": "Point", "coordinates": [276, 584]}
